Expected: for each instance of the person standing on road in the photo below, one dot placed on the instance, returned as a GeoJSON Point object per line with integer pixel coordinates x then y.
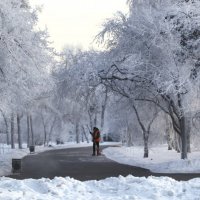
{"type": "Point", "coordinates": [96, 139]}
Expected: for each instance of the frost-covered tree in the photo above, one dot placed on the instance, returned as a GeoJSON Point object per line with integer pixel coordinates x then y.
{"type": "Point", "coordinates": [156, 57]}
{"type": "Point", "coordinates": [25, 55]}
{"type": "Point", "coordinates": [80, 88]}
{"type": "Point", "coordinates": [25, 59]}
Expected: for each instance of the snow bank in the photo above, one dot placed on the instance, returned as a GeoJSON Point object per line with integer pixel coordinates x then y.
{"type": "Point", "coordinates": [160, 159]}
{"type": "Point", "coordinates": [120, 188]}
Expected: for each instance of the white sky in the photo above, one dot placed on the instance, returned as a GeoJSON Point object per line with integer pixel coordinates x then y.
{"type": "Point", "coordinates": [76, 22]}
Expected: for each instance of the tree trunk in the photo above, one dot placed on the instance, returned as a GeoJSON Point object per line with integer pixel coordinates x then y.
{"type": "Point", "coordinates": [188, 131]}
{"type": "Point", "coordinates": [51, 130]}
{"type": "Point", "coordinates": [82, 136]}
{"type": "Point", "coordinates": [77, 133]}
{"type": "Point", "coordinates": [146, 148]}
{"type": "Point", "coordinates": [102, 116]}
{"type": "Point", "coordinates": [188, 143]}
{"type": "Point", "coordinates": [90, 118]}
{"type": "Point", "coordinates": [183, 138]}
{"type": "Point", "coordinates": [32, 133]}
{"type": "Point", "coordinates": [7, 136]}
{"type": "Point", "coordinates": [129, 136]}
{"type": "Point", "coordinates": [45, 132]}
{"type": "Point", "coordinates": [177, 142]}
{"type": "Point", "coordinates": [84, 133]}
{"type": "Point", "coordinates": [19, 131]}
{"type": "Point", "coordinates": [103, 110]}
{"type": "Point", "coordinates": [12, 132]}
{"type": "Point", "coordinates": [95, 119]}
{"type": "Point", "coordinates": [168, 135]}
{"type": "Point", "coordinates": [28, 131]}
{"type": "Point", "coordinates": [183, 133]}
{"type": "Point", "coordinates": [6, 124]}
{"type": "Point", "coordinates": [145, 131]}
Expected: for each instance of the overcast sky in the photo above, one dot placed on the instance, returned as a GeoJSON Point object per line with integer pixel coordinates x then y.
{"type": "Point", "coordinates": [76, 22]}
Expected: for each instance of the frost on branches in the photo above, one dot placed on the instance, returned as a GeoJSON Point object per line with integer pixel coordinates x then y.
{"type": "Point", "coordinates": [25, 55]}
{"type": "Point", "coordinates": [156, 50]}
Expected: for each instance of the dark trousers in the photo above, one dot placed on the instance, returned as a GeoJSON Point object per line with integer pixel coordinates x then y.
{"type": "Point", "coordinates": [95, 144]}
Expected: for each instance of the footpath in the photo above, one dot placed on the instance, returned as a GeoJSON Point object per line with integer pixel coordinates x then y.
{"type": "Point", "coordinates": [78, 163]}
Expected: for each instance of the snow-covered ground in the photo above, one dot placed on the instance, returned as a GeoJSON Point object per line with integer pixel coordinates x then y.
{"type": "Point", "coordinates": [160, 159]}
{"type": "Point", "coordinates": [120, 188]}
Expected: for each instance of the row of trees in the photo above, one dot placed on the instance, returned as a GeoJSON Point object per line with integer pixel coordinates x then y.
{"type": "Point", "coordinates": [82, 99]}
{"type": "Point", "coordinates": [151, 66]}
{"type": "Point", "coordinates": [156, 50]}
{"type": "Point", "coordinates": [143, 88]}
{"type": "Point", "coordinates": [25, 64]}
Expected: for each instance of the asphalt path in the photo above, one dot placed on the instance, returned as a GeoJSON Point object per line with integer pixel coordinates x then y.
{"type": "Point", "coordinates": [78, 163]}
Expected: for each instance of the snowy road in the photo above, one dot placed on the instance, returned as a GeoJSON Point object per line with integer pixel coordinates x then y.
{"type": "Point", "coordinates": [79, 164]}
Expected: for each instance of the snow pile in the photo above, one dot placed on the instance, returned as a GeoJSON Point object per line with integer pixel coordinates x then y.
{"type": "Point", "coordinates": [120, 188]}
{"type": "Point", "coordinates": [160, 159]}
